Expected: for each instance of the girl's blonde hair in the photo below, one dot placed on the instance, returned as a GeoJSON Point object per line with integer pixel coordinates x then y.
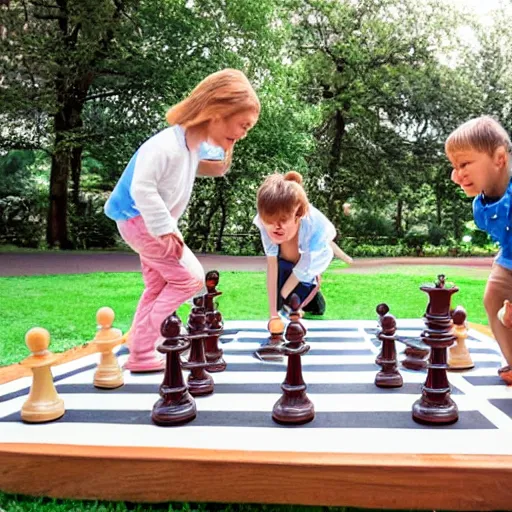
{"type": "Point", "coordinates": [282, 197]}
{"type": "Point", "coordinates": [483, 134]}
{"type": "Point", "coordinates": [223, 93]}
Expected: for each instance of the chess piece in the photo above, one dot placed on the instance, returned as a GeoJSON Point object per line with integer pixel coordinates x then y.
{"type": "Point", "coordinates": [416, 354]}
{"type": "Point", "coordinates": [176, 405]}
{"type": "Point", "coordinates": [213, 353]}
{"type": "Point", "coordinates": [200, 382]}
{"type": "Point", "coordinates": [108, 373]}
{"type": "Point", "coordinates": [294, 407]}
{"type": "Point", "coordinates": [381, 309]}
{"type": "Point", "coordinates": [43, 403]}
{"type": "Point", "coordinates": [271, 350]}
{"type": "Point", "coordinates": [436, 407]}
{"type": "Point", "coordinates": [389, 376]}
{"type": "Point", "coordinates": [459, 357]}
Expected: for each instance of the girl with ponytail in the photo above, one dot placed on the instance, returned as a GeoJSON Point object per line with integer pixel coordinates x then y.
{"type": "Point", "coordinates": [297, 240]}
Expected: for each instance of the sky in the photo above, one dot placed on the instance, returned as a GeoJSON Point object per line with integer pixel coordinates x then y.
{"type": "Point", "coordinates": [481, 8]}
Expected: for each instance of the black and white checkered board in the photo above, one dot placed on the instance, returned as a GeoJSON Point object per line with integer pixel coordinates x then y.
{"type": "Point", "coordinates": [352, 414]}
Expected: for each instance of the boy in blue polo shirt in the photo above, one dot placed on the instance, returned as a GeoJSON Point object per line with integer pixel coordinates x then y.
{"type": "Point", "coordinates": [479, 151]}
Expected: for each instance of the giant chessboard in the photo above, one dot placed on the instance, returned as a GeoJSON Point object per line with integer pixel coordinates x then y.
{"type": "Point", "coordinates": [363, 447]}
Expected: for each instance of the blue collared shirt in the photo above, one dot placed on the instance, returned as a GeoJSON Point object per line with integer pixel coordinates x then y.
{"type": "Point", "coordinates": [496, 219]}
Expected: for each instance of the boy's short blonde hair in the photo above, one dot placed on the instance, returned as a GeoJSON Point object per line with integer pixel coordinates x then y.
{"type": "Point", "coordinates": [281, 196]}
{"type": "Point", "coordinates": [483, 134]}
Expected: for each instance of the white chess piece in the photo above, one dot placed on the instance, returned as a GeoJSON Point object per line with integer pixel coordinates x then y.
{"type": "Point", "coordinates": [108, 373]}
{"type": "Point", "coordinates": [43, 403]}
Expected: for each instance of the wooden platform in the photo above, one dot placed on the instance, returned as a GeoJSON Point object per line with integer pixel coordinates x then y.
{"type": "Point", "coordinates": [363, 448]}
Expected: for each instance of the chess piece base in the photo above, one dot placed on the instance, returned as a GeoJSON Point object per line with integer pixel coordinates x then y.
{"type": "Point", "coordinates": [215, 364]}
{"type": "Point", "coordinates": [109, 380]}
{"type": "Point", "coordinates": [427, 412]}
{"type": "Point", "coordinates": [174, 413]}
{"type": "Point", "coordinates": [388, 380]}
{"type": "Point", "coordinates": [293, 410]}
{"type": "Point", "coordinates": [108, 376]}
{"type": "Point", "coordinates": [269, 353]}
{"type": "Point", "coordinates": [42, 412]}
{"type": "Point", "coordinates": [460, 365]}
{"type": "Point", "coordinates": [202, 386]}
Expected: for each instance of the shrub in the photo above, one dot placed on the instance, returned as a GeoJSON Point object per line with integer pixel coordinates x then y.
{"type": "Point", "coordinates": [89, 226]}
{"type": "Point", "coordinates": [23, 220]}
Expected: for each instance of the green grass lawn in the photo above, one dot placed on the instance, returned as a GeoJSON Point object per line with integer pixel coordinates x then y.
{"type": "Point", "coordinates": [66, 306]}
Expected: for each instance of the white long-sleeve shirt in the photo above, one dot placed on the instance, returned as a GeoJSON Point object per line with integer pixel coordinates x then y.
{"type": "Point", "coordinates": [316, 232]}
{"type": "Point", "coordinates": [157, 183]}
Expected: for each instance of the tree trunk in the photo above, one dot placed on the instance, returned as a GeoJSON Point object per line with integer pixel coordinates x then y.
{"type": "Point", "coordinates": [398, 219]}
{"type": "Point", "coordinates": [339, 131]}
{"type": "Point", "coordinates": [76, 171]}
{"type": "Point", "coordinates": [57, 227]}
{"type": "Point", "coordinates": [65, 159]}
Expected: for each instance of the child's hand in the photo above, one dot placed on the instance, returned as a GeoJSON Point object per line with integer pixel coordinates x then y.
{"type": "Point", "coordinates": [176, 237]}
{"type": "Point", "coordinates": [176, 240]}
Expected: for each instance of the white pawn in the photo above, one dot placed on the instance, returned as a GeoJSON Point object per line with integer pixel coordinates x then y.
{"type": "Point", "coordinates": [108, 373]}
{"type": "Point", "coordinates": [43, 402]}
{"type": "Point", "coordinates": [459, 357]}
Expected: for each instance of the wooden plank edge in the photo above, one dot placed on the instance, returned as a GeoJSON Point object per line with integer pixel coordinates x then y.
{"type": "Point", "coordinates": [450, 482]}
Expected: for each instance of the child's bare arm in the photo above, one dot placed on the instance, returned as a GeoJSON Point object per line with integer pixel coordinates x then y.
{"type": "Point", "coordinates": [272, 284]}
{"type": "Point", "coordinates": [340, 254]}
{"type": "Point", "coordinates": [289, 285]}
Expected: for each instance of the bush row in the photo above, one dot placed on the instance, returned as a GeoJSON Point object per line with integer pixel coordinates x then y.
{"type": "Point", "coordinates": [23, 224]}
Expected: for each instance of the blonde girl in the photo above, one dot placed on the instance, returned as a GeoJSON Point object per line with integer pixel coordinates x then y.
{"type": "Point", "coordinates": [153, 193]}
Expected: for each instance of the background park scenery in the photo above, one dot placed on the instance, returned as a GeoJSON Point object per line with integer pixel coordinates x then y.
{"type": "Point", "coordinates": [358, 96]}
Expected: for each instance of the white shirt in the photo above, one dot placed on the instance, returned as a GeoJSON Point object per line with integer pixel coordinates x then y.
{"type": "Point", "coordinates": [157, 183]}
{"type": "Point", "coordinates": [316, 232]}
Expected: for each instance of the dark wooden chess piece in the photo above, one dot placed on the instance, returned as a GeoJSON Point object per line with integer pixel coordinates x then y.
{"type": "Point", "coordinates": [294, 407]}
{"type": "Point", "coordinates": [381, 309]}
{"type": "Point", "coordinates": [416, 354]}
{"type": "Point", "coordinates": [214, 354]}
{"type": "Point", "coordinates": [389, 376]}
{"type": "Point", "coordinates": [271, 350]}
{"type": "Point", "coordinates": [435, 407]}
{"type": "Point", "coordinates": [200, 382]}
{"type": "Point", "coordinates": [176, 406]}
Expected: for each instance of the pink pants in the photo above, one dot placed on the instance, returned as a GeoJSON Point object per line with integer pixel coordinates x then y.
{"type": "Point", "coordinates": [171, 276]}
{"type": "Point", "coordinates": [499, 288]}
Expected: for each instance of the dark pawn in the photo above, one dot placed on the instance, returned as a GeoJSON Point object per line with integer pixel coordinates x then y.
{"type": "Point", "coordinates": [214, 354]}
{"type": "Point", "coordinates": [200, 382]}
{"type": "Point", "coordinates": [389, 376]}
{"type": "Point", "coordinates": [176, 406]}
{"type": "Point", "coordinates": [294, 407]}
{"type": "Point", "coordinates": [381, 310]}
{"type": "Point", "coordinates": [436, 407]}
